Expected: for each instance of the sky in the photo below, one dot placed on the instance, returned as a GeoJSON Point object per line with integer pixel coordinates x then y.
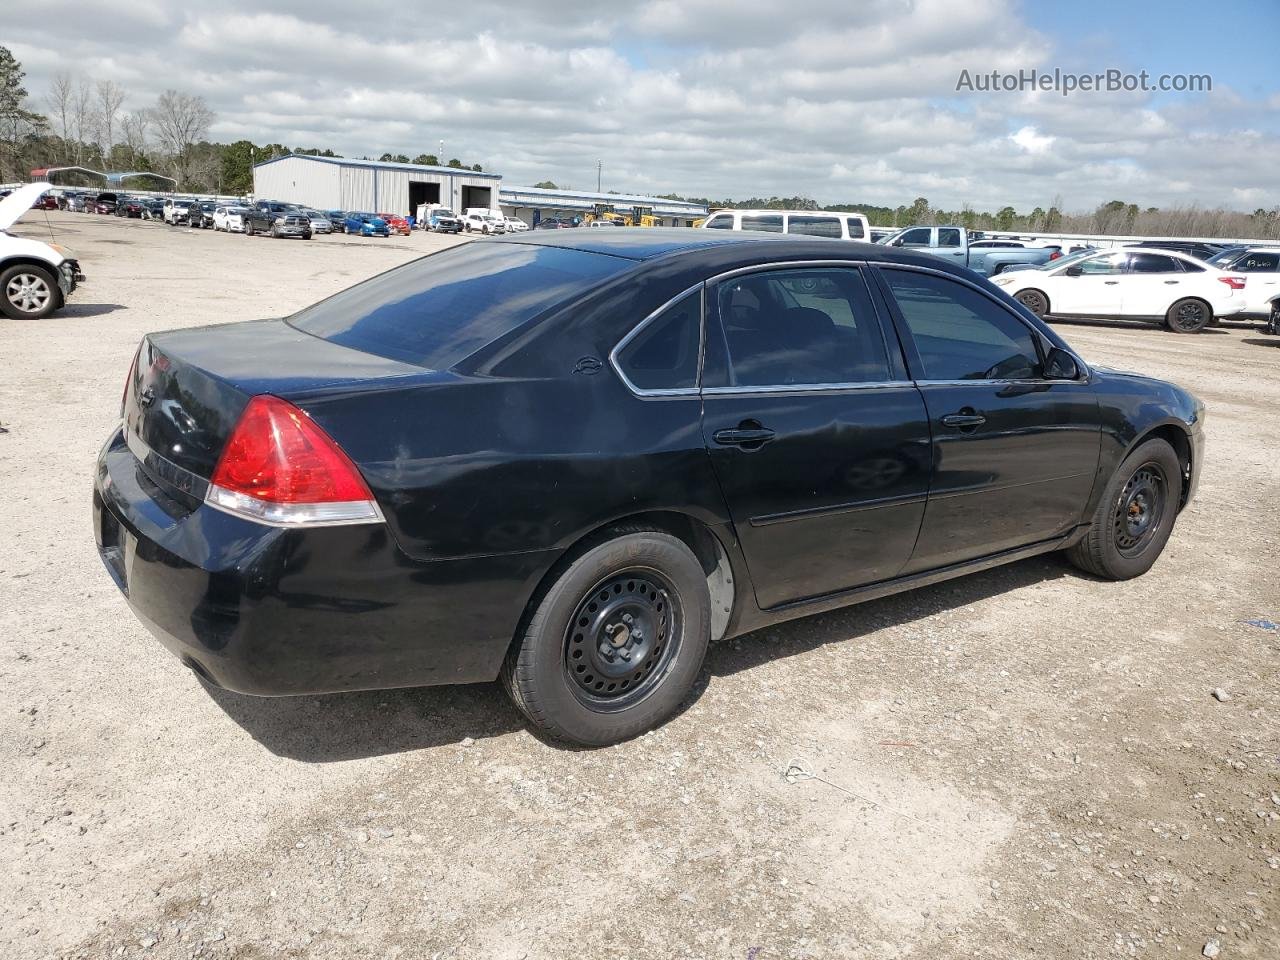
{"type": "Point", "coordinates": [831, 99]}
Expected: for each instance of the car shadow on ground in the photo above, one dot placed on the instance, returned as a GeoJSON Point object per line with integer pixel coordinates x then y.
{"type": "Point", "coordinates": [1261, 342]}
{"type": "Point", "coordinates": [77, 310]}
{"type": "Point", "coordinates": [1125, 325]}
{"type": "Point", "coordinates": [352, 726]}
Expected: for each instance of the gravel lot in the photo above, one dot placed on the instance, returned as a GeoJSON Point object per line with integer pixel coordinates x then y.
{"type": "Point", "coordinates": [1023, 762]}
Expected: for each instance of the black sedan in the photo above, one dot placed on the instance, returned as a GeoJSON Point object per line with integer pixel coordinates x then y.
{"type": "Point", "coordinates": [574, 459]}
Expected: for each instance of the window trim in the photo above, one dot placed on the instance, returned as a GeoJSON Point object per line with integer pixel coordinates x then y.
{"type": "Point", "coordinates": [915, 364]}
{"type": "Point", "coordinates": [805, 388]}
{"type": "Point", "coordinates": [695, 390]}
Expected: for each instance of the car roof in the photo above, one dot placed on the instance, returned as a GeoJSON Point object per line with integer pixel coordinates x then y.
{"type": "Point", "coordinates": [645, 243]}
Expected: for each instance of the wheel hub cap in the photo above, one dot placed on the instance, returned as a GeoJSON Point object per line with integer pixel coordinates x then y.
{"type": "Point", "coordinates": [28, 292]}
{"type": "Point", "coordinates": [1139, 511]}
{"type": "Point", "coordinates": [618, 639]}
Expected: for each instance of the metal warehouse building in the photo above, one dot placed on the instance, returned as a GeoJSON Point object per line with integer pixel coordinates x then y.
{"type": "Point", "coordinates": [532, 204]}
{"type": "Point", "coordinates": [337, 183]}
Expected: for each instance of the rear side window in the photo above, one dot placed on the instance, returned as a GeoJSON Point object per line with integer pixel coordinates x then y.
{"type": "Point", "coordinates": [801, 327]}
{"type": "Point", "coordinates": [438, 310]}
{"type": "Point", "coordinates": [815, 226]}
{"type": "Point", "coordinates": [1152, 263]}
{"type": "Point", "coordinates": [767, 223]}
{"type": "Point", "coordinates": [948, 237]}
{"type": "Point", "coordinates": [959, 333]}
{"type": "Point", "coordinates": [663, 355]}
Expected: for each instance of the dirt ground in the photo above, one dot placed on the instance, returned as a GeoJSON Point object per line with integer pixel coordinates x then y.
{"type": "Point", "coordinates": [1025, 762]}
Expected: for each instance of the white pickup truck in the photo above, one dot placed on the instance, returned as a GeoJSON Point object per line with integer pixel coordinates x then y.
{"type": "Point", "coordinates": [35, 277]}
{"type": "Point", "coordinates": [957, 245]}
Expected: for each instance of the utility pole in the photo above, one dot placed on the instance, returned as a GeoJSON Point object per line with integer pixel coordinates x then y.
{"type": "Point", "coordinates": [440, 155]}
{"type": "Point", "coordinates": [599, 174]}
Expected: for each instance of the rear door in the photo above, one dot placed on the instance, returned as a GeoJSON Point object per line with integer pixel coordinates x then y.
{"type": "Point", "coordinates": [818, 440]}
{"type": "Point", "coordinates": [1014, 454]}
{"type": "Point", "coordinates": [1153, 282]}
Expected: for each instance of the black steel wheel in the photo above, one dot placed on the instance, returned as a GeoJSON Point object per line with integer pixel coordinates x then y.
{"type": "Point", "coordinates": [1034, 300]}
{"type": "Point", "coordinates": [1135, 515]}
{"type": "Point", "coordinates": [1189, 316]}
{"type": "Point", "coordinates": [614, 642]}
{"type": "Point", "coordinates": [625, 631]}
{"type": "Point", "coordinates": [1139, 509]}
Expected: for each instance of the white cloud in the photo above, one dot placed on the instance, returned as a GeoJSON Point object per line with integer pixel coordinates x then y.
{"type": "Point", "coordinates": [838, 101]}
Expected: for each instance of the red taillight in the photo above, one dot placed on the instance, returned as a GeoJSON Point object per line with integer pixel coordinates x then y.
{"type": "Point", "coordinates": [280, 467]}
{"type": "Point", "coordinates": [1055, 255]}
{"type": "Point", "coordinates": [1235, 283]}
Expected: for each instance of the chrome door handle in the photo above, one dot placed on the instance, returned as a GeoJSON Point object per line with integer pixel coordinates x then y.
{"type": "Point", "coordinates": [1110, 283]}
{"type": "Point", "coordinates": [962, 420]}
{"type": "Point", "coordinates": [1171, 281]}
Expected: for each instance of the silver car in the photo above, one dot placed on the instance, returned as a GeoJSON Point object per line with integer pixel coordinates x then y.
{"type": "Point", "coordinates": [320, 223]}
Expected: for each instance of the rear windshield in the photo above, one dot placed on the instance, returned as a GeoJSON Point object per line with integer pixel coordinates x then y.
{"type": "Point", "coordinates": [438, 310]}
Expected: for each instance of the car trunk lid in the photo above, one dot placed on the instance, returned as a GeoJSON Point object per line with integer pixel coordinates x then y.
{"type": "Point", "coordinates": [188, 388]}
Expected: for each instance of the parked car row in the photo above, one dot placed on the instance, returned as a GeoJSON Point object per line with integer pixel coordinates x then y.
{"type": "Point", "coordinates": [1159, 285]}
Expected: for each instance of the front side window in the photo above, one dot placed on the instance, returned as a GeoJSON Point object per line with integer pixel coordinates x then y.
{"type": "Point", "coordinates": [766, 223]}
{"type": "Point", "coordinates": [855, 228]}
{"type": "Point", "coordinates": [917, 237]}
{"type": "Point", "coordinates": [1152, 263]}
{"type": "Point", "coordinates": [664, 354]}
{"type": "Point", "coordinates": [959, 333]}
{"type": "Point", "coordinates": [801, 327]}
{"type": "Point", "coordinates": [721, 221]}
{"type": "Point", "coordinates": [1111, 263]}
{"type": "Point", "coordinates": [815, 226]}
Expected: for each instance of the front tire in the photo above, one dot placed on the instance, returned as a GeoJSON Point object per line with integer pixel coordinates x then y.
{"type": "Point", "coordinates": [248, 229]}
{"type": "Point", "coordinates": [1273, 321]}
{"type": "Point", "coordinates": [1135, 515]}
{"type": "Point", "coordinates": [1188, 316]}
{"type": "Point", "coordinates": [615, 644]}
{"type": "Point", "coordinates": [28, 292]}
{"type": "Point", "coordinates": [1035, 301]}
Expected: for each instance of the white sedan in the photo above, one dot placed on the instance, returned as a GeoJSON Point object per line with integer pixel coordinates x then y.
{"type": "Point", "coordinates": [1173, 289]}
{"type": "Point", "coordinates": [515, 225]}
{"type": "Point", "coordinates": [229, 218]}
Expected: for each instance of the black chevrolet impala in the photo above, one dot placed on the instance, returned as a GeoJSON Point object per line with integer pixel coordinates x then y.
{"type": "Point", "coordinates": [573, 458]}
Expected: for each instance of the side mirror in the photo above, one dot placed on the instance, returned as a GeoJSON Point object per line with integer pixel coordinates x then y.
{"type": "Point", "coordinates": [1060, 365]}
{"type": "Point", "coordinates": [1073, 270]}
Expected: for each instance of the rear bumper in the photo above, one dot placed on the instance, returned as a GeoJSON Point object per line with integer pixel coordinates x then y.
{"type": "Point", "coordinates": [273, 611]}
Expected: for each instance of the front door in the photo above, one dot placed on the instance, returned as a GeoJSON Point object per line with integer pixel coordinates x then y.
{"type": "Point", "coordinates": [820, 444]}
{"type": "Point", "coordinates": [1014, 454]}
{"type": "Point", "coordinates": [1092, 287]}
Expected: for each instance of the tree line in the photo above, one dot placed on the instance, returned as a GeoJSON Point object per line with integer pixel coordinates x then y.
{"type": "Point", "coordinates": [84, 123]}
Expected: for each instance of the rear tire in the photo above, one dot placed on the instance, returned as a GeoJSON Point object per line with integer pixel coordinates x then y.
{"type": "Point", "coordinates": [1273, 321]}
{"type": "Point", "coordinates": [248, 229]}
{"type": "Point", "coordinates": [1035, 301]}
{"type": "Point", "coordinates": [614, 645]}
{"type": "Point", "coordinates": [1134, 516]}
{"type": "Point", "coordinates": [1188, 315]}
